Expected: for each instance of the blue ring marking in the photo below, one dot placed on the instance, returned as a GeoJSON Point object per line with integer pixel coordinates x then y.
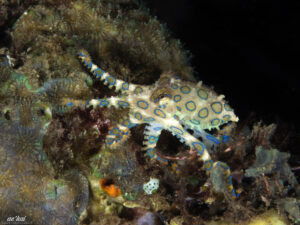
{"type": "Point", "coordinates": [227, 107]}
{"type": "Point", "coordinates": [202, 146]}
{"type": "Point", "coordinates": [151, 152]}
{"type": "Point", "coordinates": [178, 108]}
{"type": "Point", "coordinates": [158, 128]}
{"type": "Point", "coordinates": [149, 119]}
{"type": "Point", "coordinates": [187, 91]}
{"type": "Point", "coordinates": [119, 137]}
{"type": "Point", "coordinates": [117, 129]}
{"type": "Point", "coordinates": [127, 123]}
{"type": "Point", "coordinates": [226, 118]}
{"type": "Point", "coordinates": [138, 90]}
{"type": "Point", "coordinates": [104, 102]}
{"type": "Point", "coordinates": [123, 103]}
{"type": "Point", "coordinates": [138, 116]}
{"type": "Point", "coordinates": [186, 106]}
{"type": "Point", "coordinates": [234, 194]}
{"type": "Point", "coordinates": [159, 113]}
{"type": "Point", "coordinates": [170, 96]}
{"type": "Point", "coordinates": [153, 139]}
{"type": "Point", "coordinates": [177, 98]}
{"type": "Point", "coordinates": [110, 141]}
{"type": "Point", "coordinates": [212, 107]}
{"type": "Point", "coordinates": [114, 80]}
{"type": "Point", "coordinates": [160, 159]}
{"type": "Point", "coordinates": [98, 74]}
{"type": "Point", "coordinates": [223, 165]}
{"type": "Point", "coordinates": [140, 102]}
{"type": "Point", "coordinates": [212, 138]}
{"type": "Point", "coordinates": [230, 180]}
{"type": "Point", "coordinates": [70, 103]}
{"type": "Point", "coordinates": [174, 86]}
{"type": "Point", "coordinates": [125, 86]}
{"type": "Point", "coordinates": [176, 130]}
{"type": "Point", "coordinates": [200, 93]}
{"type": "Point", "coordinates": [196, 122]}
{"type": "Point", "coordinates": [88, 66]}
{"type": "Point", "coordinates": [199, 113]}
{"type": "Point", "coordinates": [87, 102]}
{"type": "Point", "coordinates": [81, 54]}
{"type": "Point", "coordinates": [211, 164]}
{"type": "Point", "coordinates": [213, 121]}
{"type": "Point", "coordinates": [225, 138]}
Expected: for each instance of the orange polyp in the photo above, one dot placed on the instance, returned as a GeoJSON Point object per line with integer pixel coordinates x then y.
{"type": "Point", "coordinates": [110, 188]}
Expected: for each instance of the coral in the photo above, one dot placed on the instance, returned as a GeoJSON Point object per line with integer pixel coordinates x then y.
{"type": "Point", "coordinates": [291, 206]}
{"type": "Point", "coordinates": [271, 161]}
{"type": "Point", "coordinates": [110, 188]}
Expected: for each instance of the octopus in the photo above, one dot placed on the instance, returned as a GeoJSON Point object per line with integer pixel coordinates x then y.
{"type": "Point", "coordinates": [170, 104]}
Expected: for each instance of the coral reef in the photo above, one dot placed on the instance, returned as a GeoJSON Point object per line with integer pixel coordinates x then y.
{"type": "Point", "coordinates": [68, 158]}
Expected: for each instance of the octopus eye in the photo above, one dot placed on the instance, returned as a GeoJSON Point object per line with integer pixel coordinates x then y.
{"type": "Point", "coordinates": [162, 96]}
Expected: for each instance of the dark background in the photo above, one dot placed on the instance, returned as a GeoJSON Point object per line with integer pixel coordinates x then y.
{"type": "Point", "coordinates": [247, 49]}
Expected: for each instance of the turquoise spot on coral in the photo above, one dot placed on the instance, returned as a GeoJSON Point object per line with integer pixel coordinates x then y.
{"type": "Point", "coordinates": [177, 98]}
{"type": "Point", "coordinates": [123, 104]}
{"type": "Point", "coordinates": [152, 139]}
{"type": "Point", "coordinates": [142, 104]}
{"type": "Point", "coordinates": [176, 130]}
{"type": "Point", "coordinates": [104, 102]}
{"type": "Point", "coordinates": [190, 105]}
{"type": "Point", "coordinates": [208, 164]}
{"type": "Point", "coordinates": [185, 89]}
{"type": "Point", "coordinates": [138, 116]}
{"type": "Point", "coordinates": [199, 147]}
{"type": "Point", "coordinates": [203, 113]}
{"type": "Point", "coordinates": [159, 113]}
{"type": "Point", "coordinates": [202, 94]}
{"type": "Point", "coordinates": [125, 86]}
{"type": "Point", "coordinates": [215, 122]}
{"type": "Point", "coordinates": [111, 80]}
{"type": "Point", "coordinates": [196, 122]}
{"type": "Point", "coordinates": [216, 107]}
